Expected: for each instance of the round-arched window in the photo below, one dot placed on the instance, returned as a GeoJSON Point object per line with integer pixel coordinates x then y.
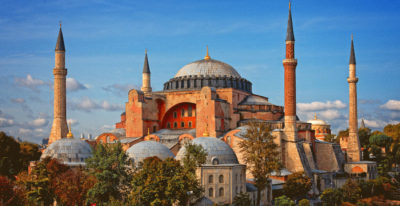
{"type": "Point", "coordinates": [221, 179]}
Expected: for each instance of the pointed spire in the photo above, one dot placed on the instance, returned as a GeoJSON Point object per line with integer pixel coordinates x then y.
{"type": "Point", "coordinates": [289, 33]}
{"type": "Point", "coordinates": [60, 41]}
{"type": "Point", "coordinates": [352, 55]}
{"type": "Point", "coordinates": [207, 57]}
{"type": "Point", "coordinates": [146, 68]}
{"type": "Point", "coordinates": [362, 126]}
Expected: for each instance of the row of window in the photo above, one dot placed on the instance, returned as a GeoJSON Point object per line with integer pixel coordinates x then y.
{"type": "Point", "coordinates": [176, 125]}
{"type": "Point", "coordinates": [211, 179]}
{"type": "Point", "coordinates": [189, 112]}
{"type": "Point", "coordinates": [220, 192]}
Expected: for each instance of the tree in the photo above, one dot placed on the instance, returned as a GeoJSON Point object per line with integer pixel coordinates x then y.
{"type": "Point", "coordinates": [351, 191]}
{"type": "Point", "coordinates": [283, 201]}
{"type": "Point", "coordinates": [393, 130]}
{"type": "Point", "coordinates": [8, 193]}
{"type": "Point", "coordinates": [242, 199]}
{"type": "Point", "coordinates": [364, 135]}
{"type": "Point", "coordinates": [332, 197]}
{"type": "Point", "coordinates": [304, 202]}
{"type": "Point", "coordinates": [109, 165]}
{"type": "Point", "coordinates": [10, 164]}
{"type": "Point", "coordinates": [38, 187]}
{"type": "Point", "coordinates": [28, 152]}
{"type": "Point", "coordinates": [297, 185]}
{"type": "Point", "coordinates": [332, 138]}
{"type": "Point", "coordinates": [260, 154]}
{"type": "Point", "coordinates": [343, 133]}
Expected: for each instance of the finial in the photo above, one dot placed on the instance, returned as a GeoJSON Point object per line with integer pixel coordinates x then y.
{"type": "Point", "coordinates": [315, 115]}
{"type": "Point", "coordinates": [207, 57]}
{"type": "Point", "coordinates": [70, 135]}
{"type": "Point", "coordinates": [145, 51]}
{"type": "Point", "coordinates": [205, 133]}
{"type": "Point", "coordinates": [60, 24]}
{"type": "Point", "coordinates": [148, 131]}
{"type": "Point", "coordinates": [289, 4]}
{"type": "Point", "coordinates": [351, 36]}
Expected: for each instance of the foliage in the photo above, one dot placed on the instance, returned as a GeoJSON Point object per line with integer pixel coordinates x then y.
{"type": "Point", "coordinates": [260, 154]}
{"type": "Point", "coordinates": [109, 165]}
{"type": "Point", "coordinates": [283, 201]}
{"type": "Point", "coordinates": [297, 185]}
{"type": "Point", "coordinates": [332, 197]}
{"type": "Point", "coordinates": [343, 133]}
{"type": "Point", "coordinates": [351, 191]}
{"type": "Point", "coordinates": [332, 138]}
{"type": "Point", "coordinates": [364, 135]}
{"type": "Point", "coordinates": [28, 152]}
{"type": "Point", "coordinates": [380, 140]}
{"type": "Point", "coordinates": [242, 199]}
{"type": "Point", "coordinates": [393, 130]}
{"type": "Point", "coordinates": [9, 194]}
{"type": "Point", "coordinates": [366, 188]}
{"type": "Point", "coordinates": [304, 202]}
{"type": "Point", "coordinates": [38, 187]}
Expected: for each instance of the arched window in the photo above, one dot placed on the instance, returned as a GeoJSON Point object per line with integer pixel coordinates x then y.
{"type": "Point", "coordinates": [189, 111]}
{"type": "Point", "coordinates": [190, 125]}
{"type": "Point", "coordinates": [221, 179]}
{"type": "Point", "coordinates": [210, 192]}
{"type": "Point", "coordinates": [182, 112]}
{"type": "Point", "coordinates": [154, 128]}
{"type": "Point", "coordinates": [237, 190]}
{"type": "Point", "coordinates": [211, 179]}
{"type": "Point", "coordinates": [221, 192]}
{"type": "Point", "coordinates": [175, 125]}
{"type": "Point", "coordinates": [182, 124]}
{"type": "Point", "coordinates": [175, 115]}
{"type": "Point", "coordinates": [168, 125]}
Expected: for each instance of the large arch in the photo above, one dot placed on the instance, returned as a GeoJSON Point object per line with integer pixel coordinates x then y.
{"type": "Point", "coordinates": [180, 116]}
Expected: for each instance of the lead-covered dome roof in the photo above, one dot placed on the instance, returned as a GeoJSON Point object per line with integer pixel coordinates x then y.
{"type": "Point", "coordinates": [208, 67]}
{"type": "Point", "coordinates": [69, 151]}
{"type": "Point", "coordinates": [142, 150]}
{"type": "Point", "coordinates": [218, 152]}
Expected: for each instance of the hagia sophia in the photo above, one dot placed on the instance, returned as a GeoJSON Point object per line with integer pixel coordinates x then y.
{"type": "Point", "coordinates": [209, 103]}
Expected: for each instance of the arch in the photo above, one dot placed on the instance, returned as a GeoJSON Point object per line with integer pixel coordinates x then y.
{"type": "Point", "coordinates": [221, 192]}
{"type": "Point", "coordinates": [211, 179]}
{"type": "Point", "coordinates": [175, 114]}
{"type": "Point", "coordinates": [221, 178]}
{"type": "Point", "coordinates": [185, 136]}
{"type": "Point", "coordinates": [210, 192]}
{"type": "Point", "coordinates": [357, 169]}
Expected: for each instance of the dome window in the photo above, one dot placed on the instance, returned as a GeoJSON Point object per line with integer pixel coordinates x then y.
{"type": "Point", "coordinates": [215, 161]}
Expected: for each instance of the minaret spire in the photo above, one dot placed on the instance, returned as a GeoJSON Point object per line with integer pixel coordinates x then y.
{"type": "Point", "coordinates": [146, 85]}
{"type": "Point", "coordinates": [352, 55]}
{"type": "Point", "coordinates": [60, 41]}
{"type": "Point", "coordinates": [146, 68]}
{"type": "Point", "coordinates": [289, 32]}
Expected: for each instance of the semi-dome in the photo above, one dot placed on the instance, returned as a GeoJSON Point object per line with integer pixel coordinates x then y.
{"type": "Point", "coordinates": [142, 150]}
{"type": "Point", "coordinates": [69, 151]}
{"type": "Point", "coordinates": [218, 152]}
{"type": "Point", "coordinates": [208, 67]}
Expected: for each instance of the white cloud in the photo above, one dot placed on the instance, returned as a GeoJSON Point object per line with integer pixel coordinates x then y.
{"type": "Point", "coordinates": [39, 122]}
{"type": "Point", "coordinates": [330, 114]}
{"type": "Point", "coordinates": [23, 131]}
{"type": "Point", "coordinates": [73, 122]}
{"type": "Point", "coordinates": [87, 104]}
{"type": "Point", "coordinates": [316, 106]}
{"type": "Point", "coordinates": [18, 100]}
{"type": "Point", "coordinates": [73, 85]}
{"type": "Point", "coordinates": [29, 82]}
{"type": "Point", "coordinates": [375, 123]}
{"type": "Point", "coordinates": [391, 105]}
{"type": "Point", "coordinates": [120, 89]}
{"type": "Point", "coordinates": [5, 122]}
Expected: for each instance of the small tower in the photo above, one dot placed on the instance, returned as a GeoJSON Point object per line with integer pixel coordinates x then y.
{"type": "Point", "coordinates": [59, 128]}
{"type": "Point", "coordinates": [289, 64]}
{"type": "Point", "coordinates": [353, 148]}
{"type": "Point", "coordinates": [146, 86]}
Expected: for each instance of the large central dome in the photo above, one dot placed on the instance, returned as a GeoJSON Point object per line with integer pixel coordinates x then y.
{"type": "Point", "coordinates": [208, 67]}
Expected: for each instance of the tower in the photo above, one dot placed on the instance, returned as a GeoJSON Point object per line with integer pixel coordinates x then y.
{"type": "Point", "coordinates": [289, 64]}
{"type": "Point", "coordinates": [60, 127]}
{"type": "Point", "coordinates": [353, 147]}
{"type": "Point", "coordinates": [146, 86]}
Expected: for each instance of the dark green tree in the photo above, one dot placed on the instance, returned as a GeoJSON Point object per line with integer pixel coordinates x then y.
{"type": "Point", "coordinates": [283, 201]}
{"type": "Point", "coordinates": [332, 197]}
{"type": "Point", "coordinates": [28, 152]}
{"type": "Point", "coordinates": [242, 199]}
{"type": "Point", "coordinates": [260, 154]}
{"type": "Point", "coordinates": [392, 130]}
{"type": "Point", "coordinates": [297, 185]}
{"type": "Point", "coordinates": [10, 163]}
{"type": "Point", "coordinates": [332, 138]}
{"type": "Point", "coordinates": [39, 191]}
{"type": "Point", "coordinates": [304, 202]}
{"type": "Point", "coordinates": [110, 166]}
{"type": "Point", "coordinates": [364, 135]}
{"type": "Point", "coordinates": [351, 191]}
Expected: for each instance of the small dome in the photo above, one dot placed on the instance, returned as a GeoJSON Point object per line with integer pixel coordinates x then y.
{"type": "Point", "coordinates": [69, 151]}
{"type": "Point", "coordinates": [218, 152]}
{"type": "Point", "coordinates": [316, 121]}
{"type": "Point", "coordinates": [142, 150]}
{"type": "Point", "coordinates": [208, 67]}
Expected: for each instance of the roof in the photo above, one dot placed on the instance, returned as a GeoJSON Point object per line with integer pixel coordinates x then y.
{"type": "Point", "coordinates": [142, 150]}
{"type": "Point", "coordinates": [218, 152]}
{"type": "Point", "coordinates": [352, 55]}
{"type": "Point", "coordinates": [146, 67]}
{"type": "Point", "coordinates": [255, 100]}
{"type": "Point", "coordinates": [60, 41]}
{"type": "Point", "coordinates": [209, 67]}
{"type": "Point", "coordinates": [289, 33]}
{"type": "Point", "coordinates": [250, 187]}
{"type": "Point", "coordinates": [69, 151]}
{"type": "Point", "coordinates": [170, 137]}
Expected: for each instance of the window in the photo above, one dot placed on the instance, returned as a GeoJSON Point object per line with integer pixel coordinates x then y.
{"type": "Point", "coordinates": [237, 190]}
{"type": "Point", "coordinates": [210, 192]}
{"type": "Point", "coordinates": [168, 125]}
{"type": "Point", "coordinates": [175, 115]}
{"type": "Point", "coordinates": [211, 179]}
{"type": "Point", "coordinates": [221, 179]}
{"type": "Point", "coordinates": [182, 124]}
{"type": "Point", "coordinates": [176, 85]}
{"type": "Point", "coordinates": [190, 125]}
{"type": "Point", "coordinates": [240, 178]}
{"type": "Point", "coordinates": [189, 111]}
{"type": "Point", "coordinates": [237, 178]}
{"type": "Point", "coordinates": [154, 128]}
{"type": "Point", "coordinates": [182, 112]}
{"type": "Point", "coordinates": [215, 161]}
{"type": "Point", "coordinates": [221, 192]}
{"type": "Point", "coordinates": [175, 125]}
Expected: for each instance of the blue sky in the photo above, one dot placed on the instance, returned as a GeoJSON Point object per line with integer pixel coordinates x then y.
{"type": "Point", "coordinates": [105, 43]}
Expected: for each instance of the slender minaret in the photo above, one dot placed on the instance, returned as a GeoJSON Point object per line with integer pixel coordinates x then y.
{"type": "Point", "coordinates": [146, 86]}
{"type": "Point", "coordinates": [289, 64]}
{"type": "Point", "coordinates": [60, 128]}
{"type": "Point", "coordinates": [353, 147]}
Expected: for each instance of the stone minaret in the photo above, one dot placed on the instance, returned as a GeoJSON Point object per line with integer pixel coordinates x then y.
{"type": "Point", "coordinates": [353, 147]}
{"type": "Point", "coordinates": [146, 86]}
{"type": "Point", "coordinates": [60, 128]}
{"type": "Point", "coordinates": [290, 63]}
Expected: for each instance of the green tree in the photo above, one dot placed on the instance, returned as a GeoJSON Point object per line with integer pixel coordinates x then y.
{"type": "Point", "coordinates": [304, 202]}
{"type": "Point", "coordinates": [110, 166]}
{"type": "Point", "coordinates": [283, 201]}
{"type": "Point", "coordinates": [9, 194]}
{"type": "Point", "coordinates": [38, 187]}
{"type": "Point", "coordinates": [332, 197]}
{"type": "Point", "coordinates": [297, 185]}
{"type": "Point", "coordinates": [364, 135]}
{"type": "Point", "coordinates": [28, 152]}
{"type": "Point", "coordinates": [343, 133]}
{"type": "Point", "coordinates": [10, 163]}
{"type": "Point", "coordinates": [332, 138]}
{"type": "Point", "coordinates": [351, 191]}
{"type": "Point", "coordinates": [242, 199]}
{"type": "Point", "coordinates": [260, 154]}
{"type": "Point", "coordinates": [392, 130]}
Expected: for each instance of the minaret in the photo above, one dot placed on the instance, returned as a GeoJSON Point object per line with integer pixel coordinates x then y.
{"type": "Point", "coordinates": [146, 86]}
{"type": "Point", "coordinates": [60, 127]}
{"type": "Point", "coordinates": [289, 64]}
{"type": "Point", "coordinates": [353, 148]}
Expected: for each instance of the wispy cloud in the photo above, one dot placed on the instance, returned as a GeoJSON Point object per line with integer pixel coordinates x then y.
{"type": "Point", "coordinates": [120, 89]}
{"type": "Point", "coordinates": [86, 104]}
{"type": "Point", "coordinates": [391, 105]}
{"type": "Point", "coordinates": [316, 106]}
{"type": "Point", "coordinates": [30, 82]}
{"type": "Point", "coordinates": [73, 85]}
